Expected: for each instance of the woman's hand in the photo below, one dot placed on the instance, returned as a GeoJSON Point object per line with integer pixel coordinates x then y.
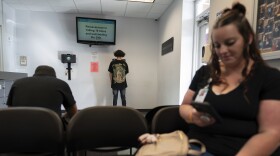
{"type": "Point", "coordinates": [191, 115]}
{"type": "Point", "coordinates": [201, 119]}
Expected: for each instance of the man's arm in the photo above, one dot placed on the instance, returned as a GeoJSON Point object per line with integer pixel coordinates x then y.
{"type": "Point", "coordinates": [71, 111]}
{"type": "Point", "coordinates": [10, 97]}
{"type": "Point", "coordinates": [110, 75]}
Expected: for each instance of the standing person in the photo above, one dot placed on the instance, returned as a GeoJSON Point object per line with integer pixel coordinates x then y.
{"type": "Point", "coordinates": [118, 69]}
{"type": "Point", "coordinates": [241, 88]}
{"type": "Point", "coordinates": [43, 89]}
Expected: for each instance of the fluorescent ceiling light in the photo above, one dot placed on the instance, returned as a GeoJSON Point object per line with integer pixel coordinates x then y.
{"type": "Point", "coordinates": [145, 1]}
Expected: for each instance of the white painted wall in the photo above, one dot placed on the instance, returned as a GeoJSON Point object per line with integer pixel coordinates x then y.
{"type": "Point", "coordinates": [153, 79]}
{"type": "Point", "coordinates": [8, 37]}
{"type": "Point", "coordinates": [1, 47]}
{"type": "Point", "coordinates": [41, 36]}
{"type": "Point", "coordinates": [175, 67]}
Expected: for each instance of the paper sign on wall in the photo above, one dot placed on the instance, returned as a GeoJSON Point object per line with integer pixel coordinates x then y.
{"type": "Point", "coordinates": [94, 67]}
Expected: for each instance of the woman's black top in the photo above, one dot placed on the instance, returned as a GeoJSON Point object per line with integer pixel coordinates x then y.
{"type": "Point", "coordinates": [239, 109]}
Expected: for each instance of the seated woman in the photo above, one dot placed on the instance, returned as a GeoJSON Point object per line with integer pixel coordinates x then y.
{"type": "Point", "coordinates": [241, 88]}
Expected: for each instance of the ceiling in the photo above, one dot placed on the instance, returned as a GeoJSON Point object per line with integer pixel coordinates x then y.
{"type": "Point", "coordinates": [100, 7]}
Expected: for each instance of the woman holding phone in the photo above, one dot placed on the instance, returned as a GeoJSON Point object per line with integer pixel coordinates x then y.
{"type": "Point", "coordinates": [241, 88]}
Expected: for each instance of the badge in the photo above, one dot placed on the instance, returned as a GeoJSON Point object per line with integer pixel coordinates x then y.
{"type": "Point", "coordinates": [201, 95]}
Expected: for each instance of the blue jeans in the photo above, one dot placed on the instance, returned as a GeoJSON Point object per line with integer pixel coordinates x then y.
{"type": "Point", "coordinates": [115, 97]}
{"type": "Point", "coordinates": [198, 148]}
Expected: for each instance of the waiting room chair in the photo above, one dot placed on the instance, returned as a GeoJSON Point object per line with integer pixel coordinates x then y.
{"type": "Point", "coordinates": [105, 129]}
{"type": "Point", "coordinates": [30, 131]}
{"type": "Point", "coordinates": [151, 113]}
{"type": "Point", "coordinates": [167, 120]}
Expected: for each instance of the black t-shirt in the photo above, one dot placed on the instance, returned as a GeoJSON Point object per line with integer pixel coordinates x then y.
{"type": "Point", "coordinates": [119, 69]}
{"type": "Point", "coordinates": [239, 116]}
{"type": "Point", "coordinates": [41, 91]}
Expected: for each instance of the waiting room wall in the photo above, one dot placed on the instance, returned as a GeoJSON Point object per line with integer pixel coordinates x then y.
{"type": "Point", "coordinates": [41, 37]}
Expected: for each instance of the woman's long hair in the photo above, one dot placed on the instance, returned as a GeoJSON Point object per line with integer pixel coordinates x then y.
{"type": "Point", "coordinates": [236, 16]}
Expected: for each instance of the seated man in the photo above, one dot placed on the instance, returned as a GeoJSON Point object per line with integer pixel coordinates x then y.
{"type": "Point", "coordinates": [43, 89]}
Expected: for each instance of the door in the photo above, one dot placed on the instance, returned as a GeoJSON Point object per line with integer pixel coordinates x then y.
{"type": "Point", "coordinates": [201, 39]}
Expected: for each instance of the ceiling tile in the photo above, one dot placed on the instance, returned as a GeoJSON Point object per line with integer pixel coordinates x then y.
{"type": "Point", "coordinates": [159, 8]}
{"type": "Point", "coordinates": [62, 3]}
{"type": "Point", "coordinates": [59, 9]}
{"type": "Point", "coordinates": [17, 6]}
{"type": "Point", "coordinates": [138, 7]}
{"type": "Point", "coordinates": [114, 8]}
{"type": "Point", "coordinates": [41, 8]}
{"type": "Point", "coordinates": [104, 7]}
{"type": "Point", "coordinates": [88, 6]}
{"type": "Point", "coordinates": [39, 3]}
{"type": "Point", "coordinates": [163, 2]}
{"type": "Point", "coordinates": [13, 1]}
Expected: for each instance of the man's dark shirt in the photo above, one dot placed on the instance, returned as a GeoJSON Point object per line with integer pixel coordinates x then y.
{"type": "Point", "coordinates": [119, 69]}
{"type": "Point", "coordinates": [41, 91]}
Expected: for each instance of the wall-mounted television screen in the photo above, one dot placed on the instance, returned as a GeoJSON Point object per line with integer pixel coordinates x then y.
{"type": "Point", "coordinates": [96, 31]}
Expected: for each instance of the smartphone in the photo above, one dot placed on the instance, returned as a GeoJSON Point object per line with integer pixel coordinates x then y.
{"type": "Point", "coordinates": [205, 107]}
